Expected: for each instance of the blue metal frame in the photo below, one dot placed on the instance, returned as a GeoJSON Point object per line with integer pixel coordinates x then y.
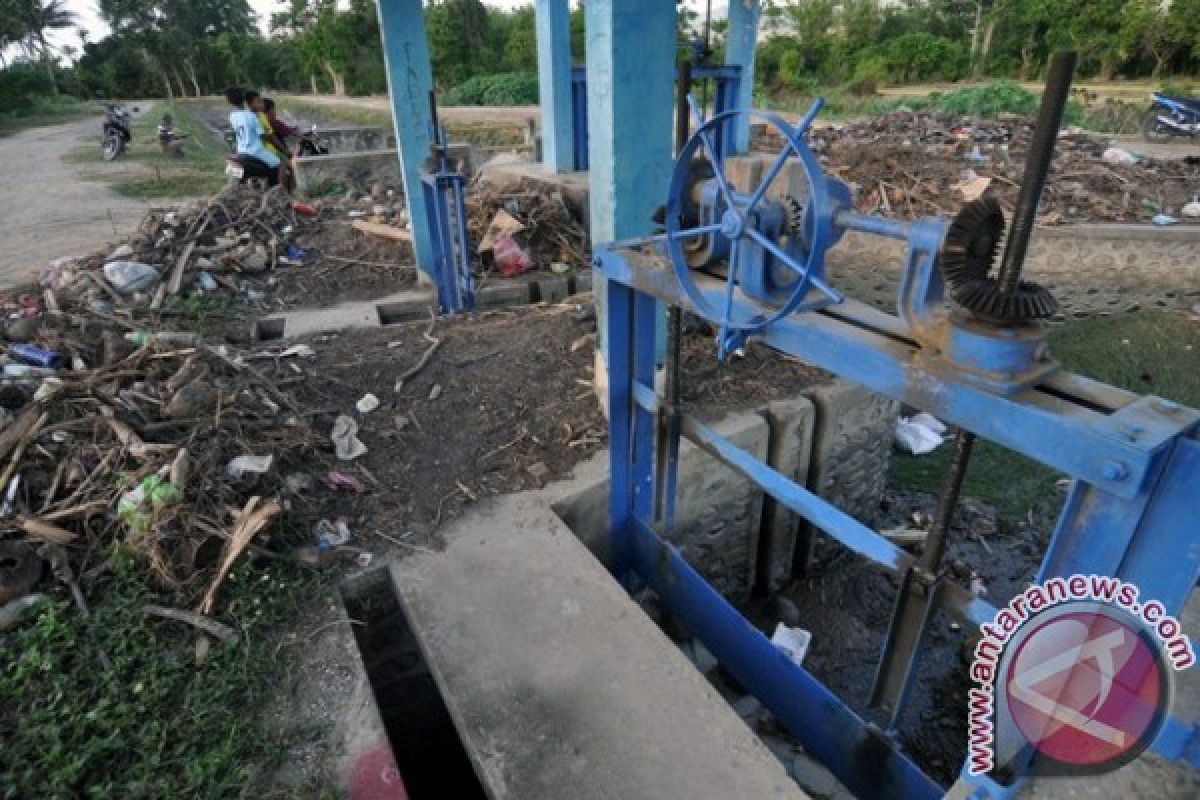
{"type": "Point", "coordinates": [727, 79]}
{"type": "Point", "coordinates": [455, 280]}
{"type": "Point", "coordinates": [1137, 525]}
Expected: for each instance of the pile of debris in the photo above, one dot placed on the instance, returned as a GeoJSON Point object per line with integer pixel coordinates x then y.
{"type": "Point", "coordinates": [242, 247]}
{"type": "Point", "coordinates": [911, 164]}
{"type": "Point", "coordinates": [176, 450]}
{"type": "Point", "coordinates": [518, 228]}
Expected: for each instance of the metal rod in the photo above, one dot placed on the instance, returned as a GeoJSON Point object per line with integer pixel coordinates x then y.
{"type": "Point", "coordinates": [935, 542]}
{"type": "Point", "coordinates": [1037, 168]}
{"type": "Point", "coordinates": [683, 118]}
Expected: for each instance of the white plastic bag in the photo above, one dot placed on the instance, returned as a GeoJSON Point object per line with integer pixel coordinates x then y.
{"type": "Point", "coordinates": [130, 276]}
{"type": "Point", "coordinates": [919, 434]}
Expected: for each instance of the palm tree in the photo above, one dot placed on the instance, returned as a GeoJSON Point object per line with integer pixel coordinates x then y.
{"type": "Point", "coordinates": [41, 16]}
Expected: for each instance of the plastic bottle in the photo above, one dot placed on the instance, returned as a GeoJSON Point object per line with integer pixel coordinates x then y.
{"type": "Point", "coordinates": [32, 354]}
{"type": "Point", "coordinates": [143, 338]}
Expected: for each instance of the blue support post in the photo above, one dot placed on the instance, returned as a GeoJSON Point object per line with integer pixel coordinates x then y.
{"type": "Point", "coordinates": [741, 42]}
{"type": "Point", "coordinates": [630, 99]}
{"type": "Point", "coordinates": [410, 79]}
{"type": "Point", "coordinates": [554, 84]}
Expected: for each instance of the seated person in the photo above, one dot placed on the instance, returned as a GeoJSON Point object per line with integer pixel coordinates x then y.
{"type": "Point", "coordinates": [249, 133]}
{"type": "Point", "coordinates": [280, 128]}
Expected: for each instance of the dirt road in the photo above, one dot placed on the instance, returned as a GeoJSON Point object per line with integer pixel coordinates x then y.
{"type": "Point", "coordinates": [48, 209]}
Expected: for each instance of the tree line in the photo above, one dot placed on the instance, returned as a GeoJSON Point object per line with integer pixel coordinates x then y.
{"type": "Point", "coordinates": [175, 48]}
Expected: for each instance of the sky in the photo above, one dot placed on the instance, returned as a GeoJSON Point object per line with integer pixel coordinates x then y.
{"type": "Point", "coordinates": [89, 16]}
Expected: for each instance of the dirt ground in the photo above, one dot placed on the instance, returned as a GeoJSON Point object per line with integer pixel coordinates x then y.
{"type": "Point", "coordinates": [48, 208]}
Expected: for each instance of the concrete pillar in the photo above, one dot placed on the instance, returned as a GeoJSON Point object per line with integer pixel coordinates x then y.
{"type": "Point", "coordinates": [410, 79]}
{"type": "Point", "coordinates": [631, 81]}
{"type": "Point", "coordinates": [741, 42]}
{"type": "Point", "coordinates": [554, 84]}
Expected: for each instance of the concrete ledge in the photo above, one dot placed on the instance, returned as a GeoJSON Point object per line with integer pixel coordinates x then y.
{"type": "Point", "coordinates": [556, 679]}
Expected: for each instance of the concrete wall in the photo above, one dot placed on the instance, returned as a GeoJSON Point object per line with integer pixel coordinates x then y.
{"type": "Point", "coordinates": [836, 440]}
{"type": "Point", "coordinates": [356, 139]}
{"type": "Point", "coordinates": [358, 171]}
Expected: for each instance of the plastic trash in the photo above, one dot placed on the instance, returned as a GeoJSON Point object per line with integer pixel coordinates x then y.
{"type": "Point", "coordinates": [332, 534]}
{"type": "Point", "coordinates": [206, 281]}
{"type": "Point", "coordinates": [130, 276]}
{"type": "Point", "coordinates": [367, 403]}
{"type": "Point", "coordinates": [304, 209]}
{"type": "Point", "coordinates": [345, 438]}
{"type": "Point", "coordinates": [122, 253]}
{"type": "Point", "coordinates": [511, 258]}
{"type": "Point", "coordinates": [1163, 220]}
{"type": "Point", "coordinates": [1118, 157]}
{"type": "Point", "coordinates": [183, 338]}
{"type": "Point", "coordinates": [294, 255]}
{"type": "Point", "coordinates": [343, 480]}
{"type": "Point", "coordinates": [792, 642]}
{"type": "Point", "coordinates": [242, 466]}
{"type": "Point", "coordinates": [139, 507]}
{"type": "Point", "coordinates": [919, 434]}
{"type": "Point", "coordinates": [32, 354]}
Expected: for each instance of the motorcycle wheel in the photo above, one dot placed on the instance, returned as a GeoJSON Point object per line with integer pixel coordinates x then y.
{"type": "Point", "coordinates": [1155, 131]}
{"type": "Point", "coordinates": [113, 145]}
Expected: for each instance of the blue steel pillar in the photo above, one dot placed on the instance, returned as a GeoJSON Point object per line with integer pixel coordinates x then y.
{"type": "Point", "coordinates": [741, 42]}
{"type": "Point", "coordinates": [410, 79]}
{"type": "Point", "coordinates": [630, 92]}
{"type": "Point", "coordinates": [554, 84]}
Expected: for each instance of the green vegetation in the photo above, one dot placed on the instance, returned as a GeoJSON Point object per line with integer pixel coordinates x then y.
{"type": "Point", "coordinates": [503, 89]}
{"type": "Point", "coordinates": [482, 54]}
{"type": "Point", "coordinates": [155, 724]}
{"type": "Point", "coordinates": [200, 171]}
{"type": "Point", "coordinates": [1146, 352]}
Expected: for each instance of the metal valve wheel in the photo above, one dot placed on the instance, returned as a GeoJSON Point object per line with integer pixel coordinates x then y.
{"type": "Point", "coordinates": [801, 256]}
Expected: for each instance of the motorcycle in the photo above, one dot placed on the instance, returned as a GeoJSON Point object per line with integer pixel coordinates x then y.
{"type": "Point", "coordinates": [311, 145]}
{"type": "Point", "coordinates": [1171, 116]}
{"type": "Point", "coordinates": [245, 169]}
{"type": "Point", "coordinates": [116, 124]}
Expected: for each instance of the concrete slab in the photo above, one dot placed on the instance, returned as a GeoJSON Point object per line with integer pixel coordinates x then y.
{"type": "Point", "coordinates": [558, 683]}
{"type": "Point", "coordinates": [789, 451]}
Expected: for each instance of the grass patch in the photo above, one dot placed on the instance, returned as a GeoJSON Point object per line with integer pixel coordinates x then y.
{"type": "Point", "coordinates": [1148, 352]}
{"type": "Point", "coordinates": [50, 110]}
{"type": "Point", "coordinates": [155, 725]}
{"type": "Point", "coordinates": [199, 171]}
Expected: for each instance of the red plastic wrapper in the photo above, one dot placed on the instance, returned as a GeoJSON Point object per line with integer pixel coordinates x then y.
{"type": "Point", "coordinates": [511, 258]}
{"type": "Point", "coordinates": [304, 209]}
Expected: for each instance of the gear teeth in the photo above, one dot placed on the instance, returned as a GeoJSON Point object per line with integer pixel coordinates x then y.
{"type": "Point", "coordinates": [984, 298]}
{"type": "Point", "coordinates": [972, 242]}
{"type": "Point", "coordinates": [795, 214]}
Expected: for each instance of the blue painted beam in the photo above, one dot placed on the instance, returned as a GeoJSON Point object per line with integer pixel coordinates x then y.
{"type": "Point", "coordinates": [554, 84]}
{"type": "Point", "coordinates": [630, 97]}
{"type": "Point", "coordinates": [741, 42]}
{"type": "Point", "coordinates": [410, 79]}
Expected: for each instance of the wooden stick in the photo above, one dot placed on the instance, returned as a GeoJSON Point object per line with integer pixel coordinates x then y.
{"type": "Point", "coordinates": [384, 231]}
{"type": "Point", "coordinates": [45, 531]}
{"type": "Point", "coordinates": [252, 520]}
{"type": "Point", "coordinates": [209, 626]}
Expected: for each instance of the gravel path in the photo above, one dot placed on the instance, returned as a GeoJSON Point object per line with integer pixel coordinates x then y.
{"type": "Point", "coordinates": [48, 209]}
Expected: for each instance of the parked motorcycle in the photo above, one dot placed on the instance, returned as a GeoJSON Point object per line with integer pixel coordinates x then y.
{"type": "Point", "coordinates": [311, 145]}
{"type": "Point", "coordinates": [117, 120]}
{"type": "Point", "coordinates": [1171, 116]}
